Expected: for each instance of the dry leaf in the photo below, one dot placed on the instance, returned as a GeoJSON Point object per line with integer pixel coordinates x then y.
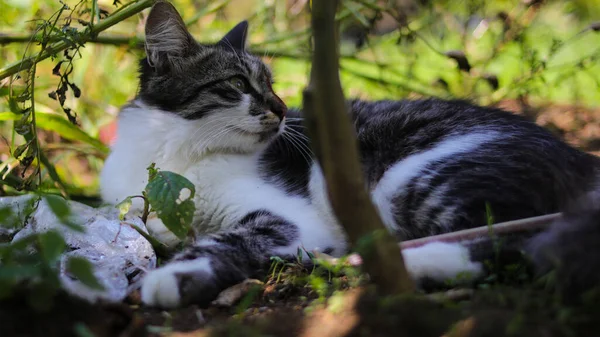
{"type": "Point", "coordinates": [231, 295]}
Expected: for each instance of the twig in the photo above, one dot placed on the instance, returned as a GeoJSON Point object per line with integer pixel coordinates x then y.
{"type": "Point", "coordinates": [459, 294]}
{"type": "Point", "coordinates": [56, 47]}
{"type": "Point", "coordinates": [117, 40]}
{"type": "Point", "coordinates": [146, 211]}
{"type": "Point", "coordinates": [333, 140]}
{"type": "Point", "coordinates": [510, 227]}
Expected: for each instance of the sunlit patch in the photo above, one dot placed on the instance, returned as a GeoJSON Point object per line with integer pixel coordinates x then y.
{"type": "Point", "coordinates": [184, 195]}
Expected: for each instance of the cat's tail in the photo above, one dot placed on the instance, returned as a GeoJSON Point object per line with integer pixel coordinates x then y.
{"type": "Point", "coordinates": [570, 248]}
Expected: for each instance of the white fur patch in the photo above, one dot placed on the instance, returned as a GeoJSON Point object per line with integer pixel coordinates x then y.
{"type": "Point", "coordinates": [160, 287]}
{"type": "Point", "coordinates": [401, 173]}
{"type": "Point", "coordinates": [231, 187]}
{"type": "Point", "coordinates": [221, 163]}
{"type": "Point", "coordinates": [441, 261]}
{"type": "Point", "coordinates": [147, 135]}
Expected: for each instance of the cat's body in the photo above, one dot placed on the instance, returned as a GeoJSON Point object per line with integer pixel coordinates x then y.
{"type": "Point", "coordinates": [431, 166]}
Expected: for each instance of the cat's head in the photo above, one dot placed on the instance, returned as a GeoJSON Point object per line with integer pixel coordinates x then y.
{"type": "Point", "coordinates": [221, 89]}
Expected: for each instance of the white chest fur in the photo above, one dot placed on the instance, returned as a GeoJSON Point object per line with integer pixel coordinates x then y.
{"type": "Point", "coordinates": [228, 186]}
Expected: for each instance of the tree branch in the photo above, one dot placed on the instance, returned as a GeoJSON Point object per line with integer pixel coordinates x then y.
{"type": "Point", "coordinates": [89, 34]}
{"type": "Point", "coordinates": [334, 142]}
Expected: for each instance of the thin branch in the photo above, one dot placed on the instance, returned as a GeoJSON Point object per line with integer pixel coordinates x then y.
{"type": "Point", "coordinates": [523, 226]}
{"type": "Point", "coordinates": [87, 35]}
{"type": "Point", "coordinates": [334, 142]}
{"type": "Point", "coordinates": [116, 40]}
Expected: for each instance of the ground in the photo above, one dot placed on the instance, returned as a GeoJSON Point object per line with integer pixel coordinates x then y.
{"type": "Point", "coordinates": [296, 305]}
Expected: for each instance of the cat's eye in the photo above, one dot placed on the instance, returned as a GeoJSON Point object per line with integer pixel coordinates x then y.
{"type": "Point", "coordinates": [239, 83]}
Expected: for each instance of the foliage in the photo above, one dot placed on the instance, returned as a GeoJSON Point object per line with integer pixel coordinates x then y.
{"type": "Point", "coordinates": [322, 274]}
{"type": "Point", "coordinates": [532, 52]}
{"type": "Point", "coordinates": [33, 261]}
{"type": "Point", "coordinates": [171, 196]}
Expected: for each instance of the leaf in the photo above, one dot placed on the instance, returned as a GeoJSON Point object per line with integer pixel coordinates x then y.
{"type": "Point", "coordinates": [61, 209]}
{"type": "Point", "coordinates": [52, 245]}
{"type": "Point", "coordinates": [58, 206]}
{"type": "Point", "coordinates": [66, 129]}
{"type": "Point", "coordinates": [19, 150]}
{"type": "Point", "coordinates": [56, 69]}
{"type": "Point", "coordinates": [152, 171]}
{"type": "Point", "coordinates": [492, 80]}
{"type": "Point", "coordinates": [81, 330]}
{"type": "Point", "coordinates": [171, 196]}
{"type": "Point", "coordinates": [83, 270]}
{"type": "Point", "coordinates": [76, 90]}
{"type": "Point", "coordinates": [460, 58]}
{"type": "Point", "coordinates": [123, 207]}
{"type": "Point", "coordinates": [14, 273]}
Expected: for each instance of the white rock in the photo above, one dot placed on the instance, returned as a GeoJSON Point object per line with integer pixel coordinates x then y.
{"type": "Point", "coordinates": [120, 255]}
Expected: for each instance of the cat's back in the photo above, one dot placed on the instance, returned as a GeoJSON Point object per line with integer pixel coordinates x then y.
{"type": "Point", "coordinates": [435, 165]}
{"type": "Point", "coordinates": [389, 131]}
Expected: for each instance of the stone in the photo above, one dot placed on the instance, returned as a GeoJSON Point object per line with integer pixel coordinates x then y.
{"type": "Point", "coordinates": [119, 254]}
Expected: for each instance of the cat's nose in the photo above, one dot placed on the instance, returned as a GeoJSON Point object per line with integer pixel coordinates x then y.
{"type": "Point", "coordinates": [278, 107]}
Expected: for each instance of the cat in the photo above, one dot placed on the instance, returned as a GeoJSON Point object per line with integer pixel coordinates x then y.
{"type": "Point", "coordinates": [209, 112]}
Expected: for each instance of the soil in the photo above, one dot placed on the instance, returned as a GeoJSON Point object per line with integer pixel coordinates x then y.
{"type": "Point", "coordinates": [496, 311]}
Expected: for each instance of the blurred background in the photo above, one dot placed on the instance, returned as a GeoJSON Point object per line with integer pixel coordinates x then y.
{"type": "Point", "coordinates": [537, 58]}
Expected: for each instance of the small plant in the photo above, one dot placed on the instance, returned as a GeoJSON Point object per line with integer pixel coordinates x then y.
{"type": "Point", "coordinates": [170, 196]}
{"type": "Point", "coordinates": [322, 274]}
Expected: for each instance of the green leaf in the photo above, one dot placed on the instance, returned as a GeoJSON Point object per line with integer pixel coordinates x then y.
{"type": "Point", "coordinates": [52, 245]}
{"type": "Point", "coordinates": [67, 130]}
{"type": "Point", "coordinates": [82, 330]}
{"type": "Point", "coordinates": [171, 196]}
{"type": "Point", "coordinates": [123, 207]}
{"type": "Point", "coordinates": [152, 171]}
{"type": "Point", "coordinates": [15, 273]}
{"type": "Point", "coordinates": [61, 209]}
{"type": "Point", "coordinates": [83, 270]}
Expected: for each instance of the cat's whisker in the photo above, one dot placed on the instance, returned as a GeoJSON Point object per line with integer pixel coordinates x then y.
{"type": "Point", "coordinates": [299, 146]}
{"type": "Point", "coordinates": [293, 144]}
{"type": "Point", "coordinates": [299, 134]}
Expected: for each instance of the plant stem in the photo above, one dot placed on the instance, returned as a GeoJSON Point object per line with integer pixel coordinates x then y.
{"type": "Point", "coordinates": [56, 47]}
{"type": "Point", "coordinates": [332, 138]}
{"type": "Point", "coordinates": [138, 43]}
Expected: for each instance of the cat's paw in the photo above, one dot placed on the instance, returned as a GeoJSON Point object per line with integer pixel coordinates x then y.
{"type": "Point", "coordinates": [160, 232]}
{"type": "Point", "coordinates": [441, 262]}
{"type": "Point", "coordinates": [180, 283]}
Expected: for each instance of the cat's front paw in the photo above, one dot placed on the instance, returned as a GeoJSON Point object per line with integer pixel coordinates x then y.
{"type": "Point", "coordinates": [180, 283]}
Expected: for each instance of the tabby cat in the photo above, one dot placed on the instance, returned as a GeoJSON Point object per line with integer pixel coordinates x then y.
{"type": "Point", "coordinates": [209, 112]}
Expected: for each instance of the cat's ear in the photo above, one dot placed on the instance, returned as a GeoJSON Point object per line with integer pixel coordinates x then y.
{"type": "Point", "coordinates": [167, 37]}
{"type": "Point", "coordinates": [236, 37]}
